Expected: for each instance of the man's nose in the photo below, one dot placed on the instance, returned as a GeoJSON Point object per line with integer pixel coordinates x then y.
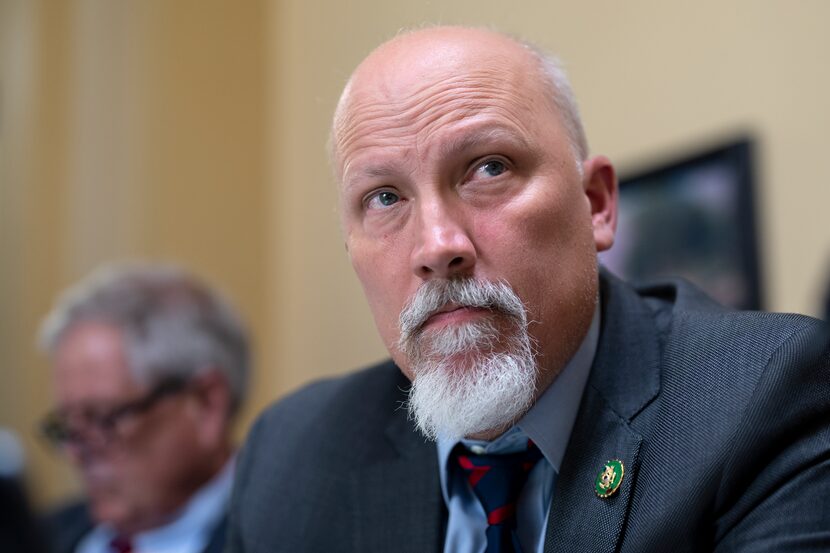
{"type": "Point", "coordinates": [83, 445]}
{"type": "Point", "coordinates": [445, 248]}
{"type": "Point", "coordinates": [77, 452]}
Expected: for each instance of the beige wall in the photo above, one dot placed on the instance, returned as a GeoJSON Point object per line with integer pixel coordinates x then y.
{"type": "Point", "coordinates": [195, 130]}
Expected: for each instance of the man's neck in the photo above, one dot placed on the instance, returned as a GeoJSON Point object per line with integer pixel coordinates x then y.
{"type": "Point", "coordinates": [211, 466]}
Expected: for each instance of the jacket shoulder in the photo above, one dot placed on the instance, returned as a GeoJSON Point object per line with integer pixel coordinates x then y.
{"type": "Point", "coordinates": [735, 442]}
{"type": "Point", "coordinates": [66, 525]}
{"type": "Point", "coordinates": [689, 315]}
{"type": "Point", "coordinates": [327, 409]}
{"type": "Point", "coordinates": [295, 468]}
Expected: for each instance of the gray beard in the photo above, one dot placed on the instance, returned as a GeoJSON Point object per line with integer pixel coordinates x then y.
{"type": "Point", "coordinates": [470, 378]}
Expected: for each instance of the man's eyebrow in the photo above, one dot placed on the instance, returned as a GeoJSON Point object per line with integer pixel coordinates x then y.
{"type": "Point", "coordinates": [485, 135]}
{"type": "Point", "coordinates": [379, 171]}
{"type": "Point", "coordinates": [375, 171]}
{"type": "Point", "coordinates": [489, 134]}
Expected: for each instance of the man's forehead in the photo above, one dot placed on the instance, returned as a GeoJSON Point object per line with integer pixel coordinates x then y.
{"type": "Point", "coordinates": [91, 358]}
{"type": "Point", "coordinates": [422, 73]}
{"type": "Point", "coordinates": [402, 64]}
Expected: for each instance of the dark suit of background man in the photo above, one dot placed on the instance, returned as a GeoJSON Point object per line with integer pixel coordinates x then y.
{"type": "Point", "coordinates": [149, 366]}
{"type": "Point", "coordinates": [472, 215]}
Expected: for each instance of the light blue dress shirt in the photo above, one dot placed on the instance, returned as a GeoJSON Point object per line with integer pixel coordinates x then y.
{"type": "Point", "coordinates": [548, 423]}
{"type": "Point", "coordinates": [188, 532]}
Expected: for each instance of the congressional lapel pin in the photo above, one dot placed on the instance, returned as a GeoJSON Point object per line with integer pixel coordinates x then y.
{"type": "Point", "coordinates": [609, 478]}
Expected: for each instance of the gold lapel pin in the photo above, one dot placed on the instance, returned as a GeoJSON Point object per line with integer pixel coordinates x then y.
{"type": "Point", "coordinates": [609, 478]}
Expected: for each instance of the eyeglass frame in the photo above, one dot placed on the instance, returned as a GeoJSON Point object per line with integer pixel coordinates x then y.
{"type": "Point", "coordinates": [59, 433]}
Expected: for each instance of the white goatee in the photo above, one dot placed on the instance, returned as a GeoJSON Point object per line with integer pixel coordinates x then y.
{"type": "Point", "coordinates": [473, 377]}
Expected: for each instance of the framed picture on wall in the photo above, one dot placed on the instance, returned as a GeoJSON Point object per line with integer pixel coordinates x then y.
{"type": "Point", "coordinates": [693, 217]}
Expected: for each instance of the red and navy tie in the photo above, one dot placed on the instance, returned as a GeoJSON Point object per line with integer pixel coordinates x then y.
{"type": "Point", "coordinates": [121, 544]}
{"type": "Point", "coordinates": [497, 481]}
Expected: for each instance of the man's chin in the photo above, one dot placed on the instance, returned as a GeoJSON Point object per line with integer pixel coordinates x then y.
{"type": "Point", "coordinates": [457, 365]}
{"type": "Point", "coordinates": [110, 511]}
{"type": "Point", "coordinates": [454, 401]}
{"type": "Point", "coordinates": [485, 431]}
{"type": "Point", "coordinates": [491, 426]}
{"type": "Point", "coordinates": [492, 433]}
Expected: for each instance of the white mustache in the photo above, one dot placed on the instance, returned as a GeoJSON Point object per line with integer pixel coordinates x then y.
{"type": "Point", "coordinates": [434, 295]}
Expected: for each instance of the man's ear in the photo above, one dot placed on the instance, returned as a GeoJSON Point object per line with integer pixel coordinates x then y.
{"type": "Point", "coordinates": [600, 185]}
{"type": "Point", "coordinates": [213, 401]}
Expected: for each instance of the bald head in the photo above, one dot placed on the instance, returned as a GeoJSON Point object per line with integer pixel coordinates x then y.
{"type": "Point", "coordinates": [410, 62]}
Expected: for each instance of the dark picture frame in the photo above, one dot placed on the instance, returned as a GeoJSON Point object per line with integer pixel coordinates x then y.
{"type": "Point", "coordinates": [695, 217]}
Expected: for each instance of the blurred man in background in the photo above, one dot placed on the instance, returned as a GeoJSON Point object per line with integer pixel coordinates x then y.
{"type": "Point", "coordinates": [149, 366]}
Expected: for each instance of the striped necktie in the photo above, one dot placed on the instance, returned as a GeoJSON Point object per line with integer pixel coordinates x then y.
{"type": "Point", "coordinates": [497, 481]}
{"type": "Point", "coordinates": [121, 544]}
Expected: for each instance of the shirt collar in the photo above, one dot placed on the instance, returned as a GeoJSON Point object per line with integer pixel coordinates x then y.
{"type": "Point", "coordinates": [549, 421]}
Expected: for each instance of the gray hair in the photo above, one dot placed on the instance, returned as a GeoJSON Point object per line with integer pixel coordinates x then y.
{"type": "Point", "coordinates": [561, 94]}
{"type": "Point", "coordinates": [173, 324]}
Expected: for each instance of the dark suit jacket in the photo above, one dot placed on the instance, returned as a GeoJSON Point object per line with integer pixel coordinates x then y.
{"type": "Point", "coordinates": [721, 418]}
{"type": "Point", "coordinates": [67, 526]}
{"type": "Point", "coordinates": [19, 531]}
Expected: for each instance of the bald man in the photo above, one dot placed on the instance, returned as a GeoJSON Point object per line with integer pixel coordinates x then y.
{"type": "Point", "coordinates": [533, 402]}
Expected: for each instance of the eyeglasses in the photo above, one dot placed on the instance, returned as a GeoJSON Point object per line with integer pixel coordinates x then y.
{"type": "Point", "coordinates": [86, 426]}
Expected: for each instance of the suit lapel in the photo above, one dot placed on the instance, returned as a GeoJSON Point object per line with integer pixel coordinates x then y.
{"type": "Point", "coordinates": [624, 379]}
{"type": "Point", "coordinates": [396, 500]}
{"type": "Point", "coordinates": [579, 519]}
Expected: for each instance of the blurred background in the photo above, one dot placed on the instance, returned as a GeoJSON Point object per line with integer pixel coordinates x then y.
{"type": "Point", "coordinates": [195, 131]}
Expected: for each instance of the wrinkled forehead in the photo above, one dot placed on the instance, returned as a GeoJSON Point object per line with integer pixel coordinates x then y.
{"type": "Point", "coordinates": [400, 87]}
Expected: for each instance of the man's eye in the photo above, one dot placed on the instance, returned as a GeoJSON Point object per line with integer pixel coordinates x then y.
{"type": "Point", "coordinates": [382, 199]}
{"type": "Point", "coordinates": [492, 168]}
